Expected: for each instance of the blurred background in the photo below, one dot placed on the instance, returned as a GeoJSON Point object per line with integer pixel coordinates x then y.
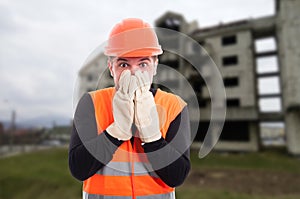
{"type": "Point", "coordinates": [255, 45]}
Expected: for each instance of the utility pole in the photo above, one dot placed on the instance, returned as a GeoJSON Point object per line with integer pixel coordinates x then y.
{"type": "Point", "coordinates": [12, 129]}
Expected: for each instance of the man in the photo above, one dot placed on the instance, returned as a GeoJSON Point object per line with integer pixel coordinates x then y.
{"type": "Point", "coordinates": [130, 141]}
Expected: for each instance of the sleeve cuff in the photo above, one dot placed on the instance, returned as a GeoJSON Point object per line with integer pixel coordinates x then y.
{"type": "Point", "coordinates": [115, 141]}
{"type": "Point", "coordinates": [153, 146]}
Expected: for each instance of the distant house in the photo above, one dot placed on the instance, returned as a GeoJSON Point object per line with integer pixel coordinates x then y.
{"type": "Point", "coordinates": [1, 133]}
{"type": "Point", "coordinates": [59, 133]}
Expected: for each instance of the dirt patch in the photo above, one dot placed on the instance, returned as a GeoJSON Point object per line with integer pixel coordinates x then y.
{"type": "Point", "coordinates": [246, 181]}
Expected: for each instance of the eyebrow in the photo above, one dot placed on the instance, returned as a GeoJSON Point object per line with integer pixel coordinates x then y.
{"type": "Point", "coordinates": [122, 59]}
{"type": "Point", "coordinates": [126, 60]}
{"type": "Point", "coordinates": [144, 59]}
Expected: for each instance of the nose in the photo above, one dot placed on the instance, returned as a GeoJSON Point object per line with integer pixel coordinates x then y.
{"type": "Point", "coordinates": [134, 68]}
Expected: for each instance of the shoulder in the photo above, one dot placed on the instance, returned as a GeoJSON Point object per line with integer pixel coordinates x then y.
{"type": "Point", "coordinates": [169, 104]}
{"type": "Point", "coordinates": [106, 93]}
{"type": "Point", "coordinates": [170, 99]}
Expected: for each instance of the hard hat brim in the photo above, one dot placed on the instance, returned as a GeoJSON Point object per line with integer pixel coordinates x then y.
{"type": "Point", "coordinates": [144, 52]}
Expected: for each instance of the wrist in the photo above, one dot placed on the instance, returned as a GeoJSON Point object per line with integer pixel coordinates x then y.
{"type": "Point", "coordinates": [114, 131]}
{"type": "Point", "coordinates": [152, 138]}
{"type": "Point", "coordinates": [112, 139]}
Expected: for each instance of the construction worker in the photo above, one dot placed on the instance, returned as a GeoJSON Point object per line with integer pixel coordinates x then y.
{"type": "Point", "coordinates": [130, 141]}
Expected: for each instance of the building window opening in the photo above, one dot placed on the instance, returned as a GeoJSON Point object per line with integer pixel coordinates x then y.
{"type": "Point", "coordinates": [270, 104]}
{"type": "Point", "coordinates": [268, 85]}
{"type": "Point", "coordinates": [231, 82]}
{"type": "Point", "coordinates": [171, 23]}
{"type": "Point", "coordinates": [230, 60]}
{"type": "Point", "coordinates": [171, 63]}
{"type": "Point", "coordinates": [229, 40]}
{"type": "Point", "coordinates": [273, 133]}
{"type": "Point", "coordinates": [267, 64]}
{"type": "Point", "coordinates": [235, 131]}
{"type": "Point", "coordinates": [197, 83]}
{"type": "Point", "coordinates": [202, 130]}
{"type": "Point", "coordinates": [265, 45]}
{"type": "Point", "coordinates": [233, 102]}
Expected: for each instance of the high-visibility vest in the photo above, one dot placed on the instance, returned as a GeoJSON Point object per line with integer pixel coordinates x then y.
{"type": "Point", "coordinates": [129, 174]}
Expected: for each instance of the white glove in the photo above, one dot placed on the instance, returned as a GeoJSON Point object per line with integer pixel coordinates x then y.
{"type": "Point", "coordinates": [146, 116]}
{"type": "Point", "coordinates": [123, 107]}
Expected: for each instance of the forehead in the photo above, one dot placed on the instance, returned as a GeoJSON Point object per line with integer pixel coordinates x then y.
{"type": "Point", "coordinates": [131, 59]}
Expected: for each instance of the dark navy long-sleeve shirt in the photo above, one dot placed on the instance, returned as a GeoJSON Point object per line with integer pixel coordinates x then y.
{"type": "Point", "coordinates": [83, 164]}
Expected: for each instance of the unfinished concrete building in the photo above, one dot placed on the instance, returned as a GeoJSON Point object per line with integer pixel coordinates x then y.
{"type": "Point", "coordinates": [233, 47]}
{"type": "Point", "coordinates": [230, 48]}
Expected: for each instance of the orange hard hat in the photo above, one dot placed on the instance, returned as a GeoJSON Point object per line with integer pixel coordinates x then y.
{"type": "Point", "coordinates": [132, 38]}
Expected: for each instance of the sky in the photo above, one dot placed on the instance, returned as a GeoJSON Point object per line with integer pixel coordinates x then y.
{"type": "Point", "coordinates": [45, 43]}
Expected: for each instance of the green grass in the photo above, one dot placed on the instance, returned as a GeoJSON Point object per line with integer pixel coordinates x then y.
{"type": "Point", "coordinates": [42, 174]}
{"type": "Point", "coordinates": [272, 160]}
{"type": "Point", "coordinates": [45, 174]}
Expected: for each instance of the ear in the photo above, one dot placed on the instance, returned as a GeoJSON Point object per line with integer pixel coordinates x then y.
{"type": "Point", "coordinates": [109, 64]}
{"type": "Point", "coordinates": [155, 66]}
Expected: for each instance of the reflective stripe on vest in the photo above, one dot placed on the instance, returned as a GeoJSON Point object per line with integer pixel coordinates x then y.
{"type": "Point", "coordinates": [125, 169]}
{"type": "Point", "coordinates": [170, 195]}
{"type": "Point", "coordinates": [129, 174]}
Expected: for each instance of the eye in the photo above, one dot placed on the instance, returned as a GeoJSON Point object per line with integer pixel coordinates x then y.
{"type": "Point", "coordinates": [144, 64]}
{"type": "Point", "coordinates": [123, 65]}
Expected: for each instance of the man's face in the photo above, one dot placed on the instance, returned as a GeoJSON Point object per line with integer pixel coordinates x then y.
{"type": "Point", "coordinates": [118, 64]}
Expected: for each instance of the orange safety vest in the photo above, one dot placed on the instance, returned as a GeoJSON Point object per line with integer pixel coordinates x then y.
{"type": "Point", "coordinates": [129, 174]}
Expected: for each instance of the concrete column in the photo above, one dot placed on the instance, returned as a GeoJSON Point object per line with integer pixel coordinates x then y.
{"type": "Point", "coordinates": [288, 31]}
{"type": "Point", "coordinates": [254, 136]}
{"type": "Point", "coordinates": [292, 124]}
